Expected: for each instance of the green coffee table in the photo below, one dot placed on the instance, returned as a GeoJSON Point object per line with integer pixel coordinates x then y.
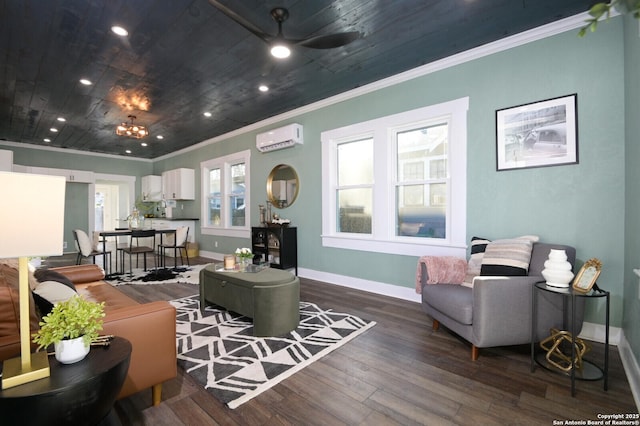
{"type": "Point", "coordinates": [271, 297]}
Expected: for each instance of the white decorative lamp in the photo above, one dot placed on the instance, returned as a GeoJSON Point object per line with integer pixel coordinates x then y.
{"type": "Point", "coordinates": [33, 225]}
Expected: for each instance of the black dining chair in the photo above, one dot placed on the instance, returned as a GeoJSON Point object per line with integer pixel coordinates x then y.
{"type": "Point", "coordinates": [138, 247]}
{"type": "Point", "coordinates": [178, 243]}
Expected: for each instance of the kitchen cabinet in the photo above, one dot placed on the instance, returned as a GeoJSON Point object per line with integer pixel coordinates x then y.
{"type": "Point", "coordinates": [159, 223]}
{"type": "Point", "coordinates": [179, 184]}
{"type": "Point", "coordinates": [76, 176]}
{"type": "Point", "coordinates": [151, 188]}
{"type": "Point", "coordinates": [277, 245]}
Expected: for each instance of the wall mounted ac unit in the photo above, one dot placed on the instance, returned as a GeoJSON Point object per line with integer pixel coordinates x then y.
{"type": "Point", "coordinates": [282, 137]}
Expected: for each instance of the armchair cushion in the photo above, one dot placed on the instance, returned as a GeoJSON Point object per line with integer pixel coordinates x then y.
{"type": "Point", "coordinates": [455, 301]}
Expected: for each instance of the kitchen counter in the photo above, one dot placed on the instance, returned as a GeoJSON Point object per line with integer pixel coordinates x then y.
{"type": "Point", "coordinates": [172, 218]}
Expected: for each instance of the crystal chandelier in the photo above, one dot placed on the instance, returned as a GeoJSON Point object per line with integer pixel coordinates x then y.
{"type": "Point", "coordinates": [131, 130]}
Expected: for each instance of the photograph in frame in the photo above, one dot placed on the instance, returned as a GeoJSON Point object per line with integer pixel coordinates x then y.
{"type": "Point", "coordinates": [588, 275]}
{"type": "Point", "coordinates": [538, 134]}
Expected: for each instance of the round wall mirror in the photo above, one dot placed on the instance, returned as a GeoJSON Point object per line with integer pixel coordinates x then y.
{"type": "Point", "coordinates": [282, 186]}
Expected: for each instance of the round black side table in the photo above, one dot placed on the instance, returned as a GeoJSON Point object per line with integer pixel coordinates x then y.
{"type": "Point", "coordinates": [590, 370]}
{"type": "Point", "coordinates": [74, 394]}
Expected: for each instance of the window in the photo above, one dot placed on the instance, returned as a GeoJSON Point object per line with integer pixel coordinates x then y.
{"type": "Point", "coordinates": [397, 184]}
{"type": "Point", "coordinates": [225, 189]}
{"type": "Point", "coordinates": [354, 189]}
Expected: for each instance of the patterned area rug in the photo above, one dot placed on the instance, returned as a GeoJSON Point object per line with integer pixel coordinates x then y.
{"type": "Point", "coordinates": [219, 351]}
{"type": "Point", "coordinates": [188, 275]}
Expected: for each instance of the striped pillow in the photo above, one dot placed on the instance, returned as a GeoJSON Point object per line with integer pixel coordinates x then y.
{"type": "Point", "coordinates": [507, 257]}
{"type": "Point", "coordinates": [478, 247]}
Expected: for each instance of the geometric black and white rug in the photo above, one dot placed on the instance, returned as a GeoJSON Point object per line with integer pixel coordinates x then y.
{"type": "Point", "coordinates": [219, 351]}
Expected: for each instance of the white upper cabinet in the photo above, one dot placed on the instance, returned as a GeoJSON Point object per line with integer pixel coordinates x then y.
{"type": "Point", "coordinates": [151, 188]}
{"type": "Point", "coordinates": [179, 184]}
{"type": "Point", "coordinates": [77, 176]}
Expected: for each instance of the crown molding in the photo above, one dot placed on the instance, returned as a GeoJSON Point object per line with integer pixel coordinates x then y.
{"type": "Point", "coordinates": [72, 151]}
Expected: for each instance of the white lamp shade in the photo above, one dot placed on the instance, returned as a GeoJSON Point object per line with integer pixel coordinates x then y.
{"type": "Point", "coordinates": [32, 215]}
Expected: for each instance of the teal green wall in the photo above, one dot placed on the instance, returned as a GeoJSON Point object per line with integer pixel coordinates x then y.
{"type": "Point", "coordinates": [631, 317]}
{"type": "Point", "coordinates": [581, 205]}
{"type": "Point", "coordinates": [77, 194]}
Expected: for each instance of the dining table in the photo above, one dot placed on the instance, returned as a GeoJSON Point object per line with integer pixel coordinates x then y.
{"type": "Point", "coordinates": [122, 232]}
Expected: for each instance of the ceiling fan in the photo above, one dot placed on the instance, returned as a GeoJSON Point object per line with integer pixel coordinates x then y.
{"type": "Point", "coordinates": [279, 44]}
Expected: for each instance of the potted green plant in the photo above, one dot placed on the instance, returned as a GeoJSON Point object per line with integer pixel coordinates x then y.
{"type": "Point", "coordinates": [71, 326]}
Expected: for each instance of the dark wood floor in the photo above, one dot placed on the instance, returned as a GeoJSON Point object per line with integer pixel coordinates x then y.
{"type": "Point", "coordinates": [399, 372]}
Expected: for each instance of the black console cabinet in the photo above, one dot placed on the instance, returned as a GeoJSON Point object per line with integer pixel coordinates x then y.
{"type": "Point", "coordinates": [277, 245]}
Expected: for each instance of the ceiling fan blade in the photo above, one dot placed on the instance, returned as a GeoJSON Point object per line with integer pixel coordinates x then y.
{"type": "Point", "coordinates": [330, 41]}
{"type": "Point", "coordinates": [240, 20]}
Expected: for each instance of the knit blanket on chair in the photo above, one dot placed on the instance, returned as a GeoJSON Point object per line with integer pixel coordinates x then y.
{"type": "Point", "coordinates": [441, 270]}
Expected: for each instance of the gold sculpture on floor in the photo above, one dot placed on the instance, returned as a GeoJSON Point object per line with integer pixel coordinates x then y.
{"type": "Point", "coordinates": [555, 355]}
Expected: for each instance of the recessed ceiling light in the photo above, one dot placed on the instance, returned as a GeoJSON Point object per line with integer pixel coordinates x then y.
{"type": "Point", "coordinates": [46, 140]}
{"type": "Point", "coordinates": [263, 88]}
{"type": "Point", "coordinates": [61, 119]}
{"type": "Point", "coordinates": [53, 129]}
{"type": "Point", "coordinates": [207, 114]}
{"type": "Point", "coordinates": [128, 151]}
{"type": "Point", "coordinates": [85, 82]}
{"type": "Point", "coordinates": [159, 137]}
{"type": "Point", "coordinates": [143, 144]}
{"type": "Point", "coordinates": [119, 31]}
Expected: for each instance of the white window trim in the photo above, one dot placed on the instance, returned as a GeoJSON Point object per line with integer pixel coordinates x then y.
{"type": "Point", "coordinates": [224, 163]}
{"type": "Point", "coordinates": [383, 238]}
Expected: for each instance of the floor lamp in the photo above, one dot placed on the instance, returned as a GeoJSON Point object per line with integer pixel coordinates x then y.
{"type": "Point", "coordinates": [31, 224]}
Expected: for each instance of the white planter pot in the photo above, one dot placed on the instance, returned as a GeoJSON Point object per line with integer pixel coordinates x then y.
{"type": "Point", "coordinates": [72, 350]}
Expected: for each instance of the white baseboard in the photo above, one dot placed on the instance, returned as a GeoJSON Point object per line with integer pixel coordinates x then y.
{"type": "Point", "coordinates": [384, 289]}
{"type": "Point", "coordinates": [212, 255]}
{"type": "Point", "coordinates": [596, 333]}
{"type": "Point", "coordinates": [631, 368]}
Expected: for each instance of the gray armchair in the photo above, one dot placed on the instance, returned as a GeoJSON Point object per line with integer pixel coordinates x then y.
{"type": "Point", "coordinates": [497, 310]}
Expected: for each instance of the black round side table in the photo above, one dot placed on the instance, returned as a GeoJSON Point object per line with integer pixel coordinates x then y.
{"type": "Point", "coordinates": [590, 370]}
{"type": "Point", "coordinates": [74, 394]}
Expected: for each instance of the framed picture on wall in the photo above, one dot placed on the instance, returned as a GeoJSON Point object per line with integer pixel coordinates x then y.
{"type": "Point", "coordinates": [538, 134]}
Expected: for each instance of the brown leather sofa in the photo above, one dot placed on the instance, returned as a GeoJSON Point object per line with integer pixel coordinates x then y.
{"type": "Point", "coordinates": [150, 327]}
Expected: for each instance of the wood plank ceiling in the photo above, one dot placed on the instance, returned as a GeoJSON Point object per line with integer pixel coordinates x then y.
{"type": "Point", "coordinates": [184, 57]}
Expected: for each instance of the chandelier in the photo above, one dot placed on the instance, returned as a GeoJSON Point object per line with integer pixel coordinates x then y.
{"type": "Point", "coordinates": [131, 130]}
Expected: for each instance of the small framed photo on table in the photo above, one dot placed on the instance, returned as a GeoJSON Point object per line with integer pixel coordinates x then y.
{"type": "Point", "coordinates": [587, 276]}
{"type": "Point", "coordinates": [538, 134]}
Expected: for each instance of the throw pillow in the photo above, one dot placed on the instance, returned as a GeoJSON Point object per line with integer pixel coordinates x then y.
{"type": "Point", "coordinates": [509, 257]}
{"type": "Point", "coordinates": [478, 247]}
{"type": "Point", "coordinates": [48, 293]}
{"type": "Point", "coordinates": [44, 274]}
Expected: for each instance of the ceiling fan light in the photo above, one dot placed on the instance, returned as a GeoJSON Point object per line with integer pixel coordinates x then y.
{"type": "Point", "coordinates": [280, 51]}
